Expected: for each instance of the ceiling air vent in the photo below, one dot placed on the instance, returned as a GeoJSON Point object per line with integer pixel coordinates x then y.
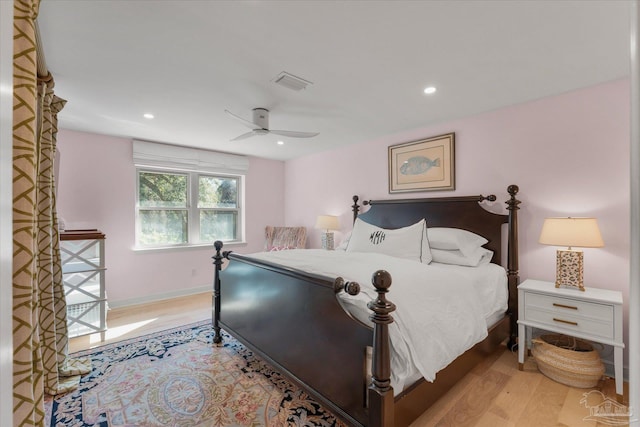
{"type": "Point", "coordinates": [290, 81]}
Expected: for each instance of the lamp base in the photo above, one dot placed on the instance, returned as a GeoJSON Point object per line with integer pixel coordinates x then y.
{"type": "Point", "coordinates": [569, 269]}
{"type": "Point", "coordinates": [327, 241]}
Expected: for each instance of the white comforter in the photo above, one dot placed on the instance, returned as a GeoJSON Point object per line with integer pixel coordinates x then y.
{"type": "Point", "coordinates": [438, 314]}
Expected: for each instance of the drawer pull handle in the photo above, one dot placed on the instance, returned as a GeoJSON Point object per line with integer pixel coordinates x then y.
{"type": "Point", "coordinates": [566, 321]}
{"type": "Point", "coordinates": [555, 304]}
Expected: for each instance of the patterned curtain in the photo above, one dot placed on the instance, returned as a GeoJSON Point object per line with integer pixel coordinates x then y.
{"type": "Point", "coordinates": [39, 310]}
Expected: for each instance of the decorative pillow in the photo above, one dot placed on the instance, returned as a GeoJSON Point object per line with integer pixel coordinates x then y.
{"type": "Point", "coordinates": [454, 239]}
{"type": "Point", "coordinates": [281, 248]}
{"type": "Point", "coordinates": [406, 242]}
{"type": "Point", "coordinates": [480, 256]}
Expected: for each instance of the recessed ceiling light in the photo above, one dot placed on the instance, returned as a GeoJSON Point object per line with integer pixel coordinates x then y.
{"type": "Point", "coordinates": [280, 142]}
{"type": "Point", "coordinates": [148, 116]}
{"type": "Point", "coordinates": [429, 90]}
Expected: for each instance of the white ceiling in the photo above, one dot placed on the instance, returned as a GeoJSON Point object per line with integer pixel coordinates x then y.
{"type": "Point", "coordinates": [188, 61]}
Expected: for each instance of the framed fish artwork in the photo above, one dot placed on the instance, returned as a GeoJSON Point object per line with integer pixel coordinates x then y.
{"type": "Point", "coordinates": [424, 165]}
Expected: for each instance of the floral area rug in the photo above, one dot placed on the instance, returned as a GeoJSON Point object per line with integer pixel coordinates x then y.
{"type": "Point", "coordinates": [179, 378]}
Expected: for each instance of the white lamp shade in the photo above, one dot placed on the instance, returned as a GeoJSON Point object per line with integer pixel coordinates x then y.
{"type": "Point", "coordinates": [327, 222]}
{"type": "Point", "coordinates": [570, 232]}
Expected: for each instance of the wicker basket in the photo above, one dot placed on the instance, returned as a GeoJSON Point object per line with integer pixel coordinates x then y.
{"type": "Point", "coordinates": [568, 360]}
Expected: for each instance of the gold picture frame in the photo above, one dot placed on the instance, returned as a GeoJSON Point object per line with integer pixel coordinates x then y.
{"type": "Point", "coordinates": [424, 165]}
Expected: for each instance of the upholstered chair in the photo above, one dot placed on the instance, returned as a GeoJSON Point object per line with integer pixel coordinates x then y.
{"type": "Point", "coordinates": [280, 238]}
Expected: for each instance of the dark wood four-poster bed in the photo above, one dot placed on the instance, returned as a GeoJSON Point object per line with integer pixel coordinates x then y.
{"type": "Point", "coordinates": [297, 320]}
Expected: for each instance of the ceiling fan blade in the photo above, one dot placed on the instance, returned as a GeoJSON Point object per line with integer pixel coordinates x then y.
{"type": "Point", "coordinates": [245, 136]}
{"type": "Point", "coordinates": [295, 134]}
{"type": "Point", "coordinates": [247, 123]}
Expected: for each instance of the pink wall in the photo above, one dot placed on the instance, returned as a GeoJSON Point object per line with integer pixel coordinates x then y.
{"type": "Point", "coordinates": [569, 155]}
{"type": "Point", "coordinates": [97, 190]}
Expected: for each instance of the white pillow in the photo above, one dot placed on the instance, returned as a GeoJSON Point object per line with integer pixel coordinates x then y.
{"type": "Point", "coordinates": [454, 239]}
{"type": "Point", "coordinates": [480, 256]}
{"type": "Point", "coordinates": [343, 244]}
{"type": "Point", "coordinates": [407, 242]}
{"type": "Point", "coordinates": [426, 248]}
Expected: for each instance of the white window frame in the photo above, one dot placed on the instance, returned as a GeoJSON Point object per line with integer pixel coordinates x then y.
{"type": "Point", "coordinates": [154, 156]}
{"type": "Point", "coordinates": [193, 211]}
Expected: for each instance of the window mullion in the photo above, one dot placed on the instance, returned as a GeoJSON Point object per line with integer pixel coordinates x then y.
{"type": "Point", "coordinates": [194, 220]}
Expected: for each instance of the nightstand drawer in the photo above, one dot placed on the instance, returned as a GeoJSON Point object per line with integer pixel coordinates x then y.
{"type": "Point", "coordinates": [569, 307]}
{"type": "Point", "coordinates": [602, 328]}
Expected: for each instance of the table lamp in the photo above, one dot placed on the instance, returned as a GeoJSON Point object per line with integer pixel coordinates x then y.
{"type": "Point", "coordinates": [570, 232]}
{"type": "Point", "coordinates": [327, 223]}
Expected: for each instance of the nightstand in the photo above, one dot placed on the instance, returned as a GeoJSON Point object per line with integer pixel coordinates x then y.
{"type": "Point", "coordinates": [592, 314]}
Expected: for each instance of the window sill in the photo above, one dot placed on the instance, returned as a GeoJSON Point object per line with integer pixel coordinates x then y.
{"type": "Point", "coordinates": [195, 246]}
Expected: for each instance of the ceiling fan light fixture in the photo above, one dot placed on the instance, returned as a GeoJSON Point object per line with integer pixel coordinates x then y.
{"type": "Point", "coordinates": [291, 82]}
{"type": "Point", "coordinates": [430, 90]}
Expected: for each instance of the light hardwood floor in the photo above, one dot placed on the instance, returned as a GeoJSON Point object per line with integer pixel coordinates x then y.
{"type": "Point", "coordinates": [134, 321]}
{"type": "Point", "coordinates": [494, 394]}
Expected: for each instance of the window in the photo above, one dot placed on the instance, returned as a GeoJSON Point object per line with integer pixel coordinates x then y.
{"type": "Point", "coordinates": [187, 196]}
{"type": "Point", "coordinates": [185, 208]}
{"type": "Point", "coordinates": [217, 208]}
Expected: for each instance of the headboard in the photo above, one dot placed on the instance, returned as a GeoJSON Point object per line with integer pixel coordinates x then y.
{"type": "Point", "coordinates": [458, 212]}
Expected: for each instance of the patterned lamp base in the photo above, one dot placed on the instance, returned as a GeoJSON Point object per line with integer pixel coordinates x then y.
{"type": "Point", "coordinates": [327, 241]}
{"type": "Point", "coordinates": [569, 269]}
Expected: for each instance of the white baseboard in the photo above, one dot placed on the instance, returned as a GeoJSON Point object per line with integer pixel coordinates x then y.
{"type": "Point", "coordinates": [160, 297]}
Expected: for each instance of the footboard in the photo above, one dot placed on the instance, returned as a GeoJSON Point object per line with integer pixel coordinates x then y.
{"type": "Point", "coordinates": [293, 320]}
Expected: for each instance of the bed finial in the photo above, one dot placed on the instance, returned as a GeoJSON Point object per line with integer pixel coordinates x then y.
{"type": "Point", "coordinates": [381, 400]}
{"type": "Point", "coordinates": [355, 208]}
{"type": "Point", "coordinates": [351, 288]}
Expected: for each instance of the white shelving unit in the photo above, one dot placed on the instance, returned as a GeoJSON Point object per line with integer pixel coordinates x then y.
{"type": "Point", "coordinates": [83, 272]}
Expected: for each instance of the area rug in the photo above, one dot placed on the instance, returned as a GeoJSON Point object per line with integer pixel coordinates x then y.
{"type": "Point", "coordinates": [179, 378]}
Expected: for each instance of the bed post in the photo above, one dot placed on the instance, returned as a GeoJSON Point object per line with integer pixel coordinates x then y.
{"type": "Point", "coordinates": [381, 399]}
{"type": "Point", "coordinates": [217, 261]}
{"type": "Point", "coordinates": [512, 264]}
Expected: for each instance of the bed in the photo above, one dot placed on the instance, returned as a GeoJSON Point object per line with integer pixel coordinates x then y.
{"type": "Point", "coordinates": [296, 320]}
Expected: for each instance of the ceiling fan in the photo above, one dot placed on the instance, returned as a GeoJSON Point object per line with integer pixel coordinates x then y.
{"type": "Point", "coordinates": [260, 126]}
